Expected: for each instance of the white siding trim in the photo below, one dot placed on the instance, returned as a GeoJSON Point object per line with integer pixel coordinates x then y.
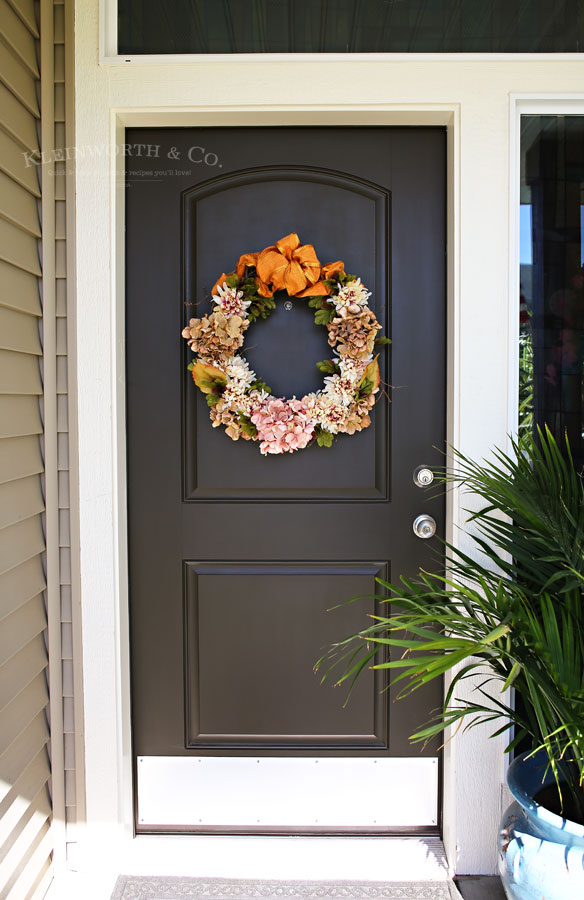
{"type": "Point", "coordinates": [50, 422]}
{"type": "Point", "coordinates": [77, 740]}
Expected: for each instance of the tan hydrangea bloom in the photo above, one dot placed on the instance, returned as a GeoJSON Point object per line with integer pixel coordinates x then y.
{"type": "Point", "coordinates": [221, 415]}
{"type": "Point", "coordinates": [214, 335]}
{"type": "Point", "coordinates": [354, 335]}
{"type": "Point", "coordinates": [358, 415]}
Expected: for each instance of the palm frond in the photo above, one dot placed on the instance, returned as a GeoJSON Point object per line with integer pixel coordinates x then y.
{"type": "Point", "coordinates": [513, 608]}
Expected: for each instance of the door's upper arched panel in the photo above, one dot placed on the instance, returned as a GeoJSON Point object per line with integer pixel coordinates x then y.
{"type": "Point", "coordinates": [345, 218]}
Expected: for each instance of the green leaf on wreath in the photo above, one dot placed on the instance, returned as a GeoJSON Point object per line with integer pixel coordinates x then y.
{"type": "Point", "coordinates": [324, 316]}
{"type": "Point", "coordinates": [328, 367]}
{"type": "Point", "coordinates": [191, 365]}
{"type": "Point", "coordinates": [324, 438]}
{"type": "Point", "coordinates": [261, 307]}
{"type": "Point", "coordinates": [212, 399]}
{"type": "Point", "coordinates": [371, 373]}
{"type": "Point", "coordinates": [247, 426]}
{"type": "Point", "coordinates": [365, 388]}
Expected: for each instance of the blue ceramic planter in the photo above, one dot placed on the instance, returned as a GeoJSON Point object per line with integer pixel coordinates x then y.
{"type": "Point", "coordinates": [541, 855]}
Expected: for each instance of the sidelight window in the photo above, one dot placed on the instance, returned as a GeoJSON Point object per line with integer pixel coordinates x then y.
{"type": "Point", "coordinates": [551, 374]}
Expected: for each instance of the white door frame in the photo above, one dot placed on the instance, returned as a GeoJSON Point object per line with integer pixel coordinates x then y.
{"type": "Point", "coordinates": [123, 119]}
{"type": "Point", "coordinates": [471, 97]}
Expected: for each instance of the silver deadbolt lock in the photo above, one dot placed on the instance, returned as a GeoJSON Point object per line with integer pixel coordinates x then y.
{"type": "Point", "coordinates": [424, 527]}
{"type": "Point", "coordinates": [423, 476]}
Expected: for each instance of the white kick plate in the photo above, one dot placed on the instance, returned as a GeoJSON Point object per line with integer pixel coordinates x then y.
{"type": "Point", "coordinates": [285, 792]}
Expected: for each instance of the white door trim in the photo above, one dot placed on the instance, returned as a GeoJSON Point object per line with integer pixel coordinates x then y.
{"type": "Point", "coordinates": [471, 97]}
{"type": "Point", "coordinates": [433, 114]}
{"type": "Point", "coordinates": [122, 119]}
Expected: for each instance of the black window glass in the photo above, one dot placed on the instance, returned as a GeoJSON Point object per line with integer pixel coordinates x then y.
{"type": "Point", "coordinates": [350, 26]}
{"type": "Point", "coordinates": [552, 277]}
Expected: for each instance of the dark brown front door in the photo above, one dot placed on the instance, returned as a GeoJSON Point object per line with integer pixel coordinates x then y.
{"type": "Point", "coordinates": [236, 558]}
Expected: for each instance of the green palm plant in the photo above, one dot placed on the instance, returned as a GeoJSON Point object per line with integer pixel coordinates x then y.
{"type": "Point", "coordinates": [512, 612]}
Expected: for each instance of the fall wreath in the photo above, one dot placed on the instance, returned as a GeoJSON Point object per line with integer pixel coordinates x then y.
{"type": "Point", "coordinates": [241, 401]}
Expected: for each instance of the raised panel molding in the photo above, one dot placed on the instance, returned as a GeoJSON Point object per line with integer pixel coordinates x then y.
{"type": "Point", "coordinates": [247, 661]}
{"type": "Point", "coordinates": [207, 464]}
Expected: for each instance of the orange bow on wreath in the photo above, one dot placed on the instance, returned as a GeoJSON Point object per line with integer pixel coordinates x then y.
{"type": "Point", "coordinates": [246, 259]}
{"type": "Point", "coordinates": [287, 266]}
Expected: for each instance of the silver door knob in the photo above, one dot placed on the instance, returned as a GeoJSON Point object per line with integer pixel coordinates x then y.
{"type": "Point", "coordinates": [423, 476]}
{"type": "Point", "coordinates": [424, 527]}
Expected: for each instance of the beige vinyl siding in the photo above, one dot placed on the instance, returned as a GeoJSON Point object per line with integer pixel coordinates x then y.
{"type": "Point", "coordinates": [25, 802]}
{"type": "Point", "coordinates": [63, 228]}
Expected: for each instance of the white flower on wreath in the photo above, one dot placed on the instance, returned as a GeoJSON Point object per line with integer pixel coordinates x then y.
{"type": "Point", "coordinates": [239, 374]}
{"type": "Point", "coordinates": [352, 296]}
{"type": "Point", "coordinates": [325, 407]}
{"type": "Point", "coordinates": [239, 403]}
{"type": "Point", "coordinates": [337, 391]}
{"type": "Point", "coordinates": [258, 397]}
{"type": "Point", "coordinates": [230, 301]}
{"type": "Point", "coordinates": [246, 404]}
{"type": "Point", "coordinates": [332, 417]}
{"type": "Point", "coordinates": [352, 369]}
{"type": "Point", "coordinates": [340, 389]}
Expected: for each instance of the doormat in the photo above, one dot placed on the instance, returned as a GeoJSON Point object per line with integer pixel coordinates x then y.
{"type": "Point", "coordinates": [140, 887]}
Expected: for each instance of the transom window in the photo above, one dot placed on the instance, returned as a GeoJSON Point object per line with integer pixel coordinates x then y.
{"type": "Point", "coordinates": [350, 26]}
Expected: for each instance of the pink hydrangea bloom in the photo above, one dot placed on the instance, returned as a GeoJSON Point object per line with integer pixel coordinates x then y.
{"type": "Point", "coordinates": [283, 425]}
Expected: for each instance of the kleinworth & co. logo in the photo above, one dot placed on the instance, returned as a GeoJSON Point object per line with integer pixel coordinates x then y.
{"type": "Point", "coordinates": [195, 154]}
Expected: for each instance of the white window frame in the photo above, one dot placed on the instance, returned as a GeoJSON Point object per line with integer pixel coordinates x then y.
{"type": "Point", "coordinates": [526, 105]}
{"type": "Point", "coordinates": [478, 98]}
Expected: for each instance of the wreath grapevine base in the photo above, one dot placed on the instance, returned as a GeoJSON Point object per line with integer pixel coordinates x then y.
{"type": "Point", "coordinates": [241, 401]}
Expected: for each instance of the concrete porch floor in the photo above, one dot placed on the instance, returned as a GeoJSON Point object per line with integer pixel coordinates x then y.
{"type": "Point", "coordinates": [480, 887]}
{"type": "Point", "coordinates": [73, 886]}
{"type": "Point", "coordinates": [297, 858]}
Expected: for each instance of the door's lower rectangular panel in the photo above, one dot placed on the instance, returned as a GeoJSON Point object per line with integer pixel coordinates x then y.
{"type": "Point", "coordinates": [286, 793]}
{"type": "Point", "coordinates": [253, 632]}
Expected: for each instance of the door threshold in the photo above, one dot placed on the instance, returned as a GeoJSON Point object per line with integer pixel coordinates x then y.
{"type": "Point", "coordinates": [304, 858]}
